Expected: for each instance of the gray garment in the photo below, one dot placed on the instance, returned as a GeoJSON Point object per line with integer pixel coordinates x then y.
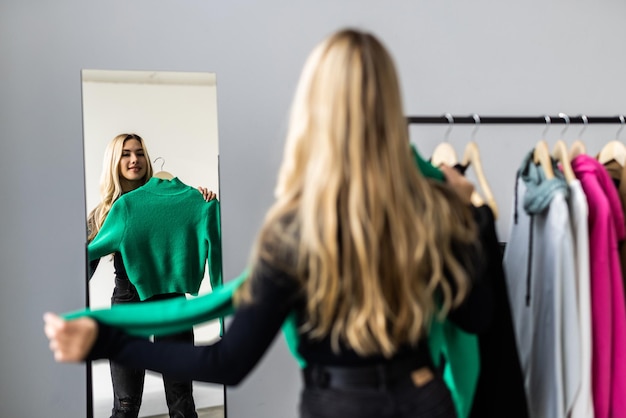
{"type": "Point", "coordinates": [540, 273]}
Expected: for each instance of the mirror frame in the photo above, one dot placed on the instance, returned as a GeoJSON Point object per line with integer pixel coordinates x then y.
{"type": "Point", "coordinates": [176, 114]}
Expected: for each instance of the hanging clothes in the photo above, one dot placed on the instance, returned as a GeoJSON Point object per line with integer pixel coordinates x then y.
{"type": "Point", "coordinates": [539, 269]}
{"type": "Point", "coordinates": [608, 311]}
{"type": "Point", "coordinates": [500, 389]}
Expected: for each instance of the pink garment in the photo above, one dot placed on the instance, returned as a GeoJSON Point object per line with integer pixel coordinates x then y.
{"type": "Point", "coordinates": [608, 309]}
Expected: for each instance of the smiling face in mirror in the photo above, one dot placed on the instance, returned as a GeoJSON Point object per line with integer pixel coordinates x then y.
{"type": "Point", "coordinates": [133, 165]}
{"type": "Point", "coordinates": [125, 114]}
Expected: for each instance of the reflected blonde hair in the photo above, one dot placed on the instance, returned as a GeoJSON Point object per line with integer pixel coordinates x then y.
{"type": "Point", "coordinates": [110, 183]}
{"type": "Point", "coordinates": [354, 220]}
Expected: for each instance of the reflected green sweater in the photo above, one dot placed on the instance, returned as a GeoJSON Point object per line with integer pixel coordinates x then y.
{"type": "Point", "coordinates": [459, 350]}
{"type": "Point", "coordinates": [166, 232]}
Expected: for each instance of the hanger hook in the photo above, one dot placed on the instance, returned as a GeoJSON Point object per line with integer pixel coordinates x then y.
{"type": "Point", "coordinates": [476, 125]}
{"type": "Point", "coordinates": [162, 162]}
{"type": "Point", "coordinates": [566, 119]}
{"type": "Point", "coordinates": [621, 121]}
{"type": "Point", "coordinates": [585, 123]}
{"type": "Point", "coordinates": [450, 124]}
{"type": "Point", "coordinates": [548, 122]}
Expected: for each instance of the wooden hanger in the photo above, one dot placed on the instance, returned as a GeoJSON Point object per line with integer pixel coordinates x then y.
{"type": "Point", "coordinates": [471, 156]}
{"type": "Point", "coordinates": [561, 155]}
{"type": "Point", "coordinates": [541, 153]}
{"type": "Point", "coordinates": [541, 156]}
{"type": "Point", "coordinates": [444, 153]}
{"type": "Point", "coordinates": [578, 147]}
{"type": "Point", "coordinates": [614, 150]}
{"type": "Point", "coordinates": [164, 175]}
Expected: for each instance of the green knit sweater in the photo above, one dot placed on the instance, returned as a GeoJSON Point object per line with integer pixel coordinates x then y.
{"type": "Point", "coordinates": [165, 232]}
{"type": "Point", "coordinates": [458, 349]}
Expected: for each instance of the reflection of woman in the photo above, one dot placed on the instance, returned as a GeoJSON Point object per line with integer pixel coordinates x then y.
{"type": "Point", "coordinates": [126, 167]}
{"type": "Point", "coordinates": [358, 244]}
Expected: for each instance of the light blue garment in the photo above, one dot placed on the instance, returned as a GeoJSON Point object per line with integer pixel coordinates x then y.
{"type": "Point", "coordinates": [540, 275]}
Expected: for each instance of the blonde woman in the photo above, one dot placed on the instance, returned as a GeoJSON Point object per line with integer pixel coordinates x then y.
{"type": "Point", "coordinates": [126, 166]}
{"type": "Point", "coordinates": [358, 244]}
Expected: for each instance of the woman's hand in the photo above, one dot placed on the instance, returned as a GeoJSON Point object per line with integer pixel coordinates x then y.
{"type": "Point", "coordinates": [207, 194]}
{"type": "Point", "coordinates": [463, 187]}
{"type": "Point", "coordinates": [70, 341]}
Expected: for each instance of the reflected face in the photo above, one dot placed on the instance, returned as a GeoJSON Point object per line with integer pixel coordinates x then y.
{"type": "Point", "coordinates": [133, 163]}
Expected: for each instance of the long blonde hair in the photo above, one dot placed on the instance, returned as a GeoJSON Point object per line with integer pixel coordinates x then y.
{"type": "Point", "coordinates": [368, 236]}
{"type": "Point", "coordinates": [110, 184]}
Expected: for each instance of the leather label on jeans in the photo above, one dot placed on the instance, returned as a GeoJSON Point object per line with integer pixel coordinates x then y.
{"type": "Point", "coordinates": [422, 376]}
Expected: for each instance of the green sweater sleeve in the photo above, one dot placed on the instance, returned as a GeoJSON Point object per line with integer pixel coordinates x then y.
{"type": "Point", "coordinates": [109, 237]}
{"type": "Point", "coordinates": [168, 316]}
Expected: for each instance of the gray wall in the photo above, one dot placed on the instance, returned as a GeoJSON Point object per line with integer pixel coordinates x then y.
{"type": "Point", "coordinates": [489, 57]}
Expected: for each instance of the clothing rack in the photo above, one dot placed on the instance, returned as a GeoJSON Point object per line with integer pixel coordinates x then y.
{"type": "Point", "coordinates": [522, 120]}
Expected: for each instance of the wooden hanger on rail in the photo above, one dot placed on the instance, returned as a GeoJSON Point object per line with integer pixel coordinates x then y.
{"type": "Point", "coordinates": [444, 153]}
{"type": "Point", "coordinates": [561, 155]}
{"type": "Point", "coordinates": [471, 157]}
{"type": "Point", "coordinates": [541, 154]}
{"type": "Point", "coordinates": [578, 146]}
{"type": "Point", "coordinates": [542, 157]}
{"type": "Point", "coordinates": [615, 149]}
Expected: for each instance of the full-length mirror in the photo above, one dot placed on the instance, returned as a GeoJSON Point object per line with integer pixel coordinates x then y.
{"type": "Point", "coordinates": [176, 116]}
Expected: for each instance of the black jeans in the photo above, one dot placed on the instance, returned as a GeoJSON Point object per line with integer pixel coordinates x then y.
{"type": "Point", "coordinates": [128, 383]}
{"type": "Point", "coordinates": [405, 400]}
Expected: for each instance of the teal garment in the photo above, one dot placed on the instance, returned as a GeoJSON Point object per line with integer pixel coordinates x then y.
{"type": "Point", "coordinates": [459, 350]}
{"type": "Point", "coordinates": [166, 232]}
{"type": "Point", "coordinates": [539, 189]}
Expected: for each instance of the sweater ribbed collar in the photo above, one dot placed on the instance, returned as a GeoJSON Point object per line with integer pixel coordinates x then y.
{"type": "Point", "coordinates": [164, 187]}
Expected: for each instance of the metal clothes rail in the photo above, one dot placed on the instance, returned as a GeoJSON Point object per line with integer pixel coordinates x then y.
{"type": "Point", "coordinates": [493, 120]}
